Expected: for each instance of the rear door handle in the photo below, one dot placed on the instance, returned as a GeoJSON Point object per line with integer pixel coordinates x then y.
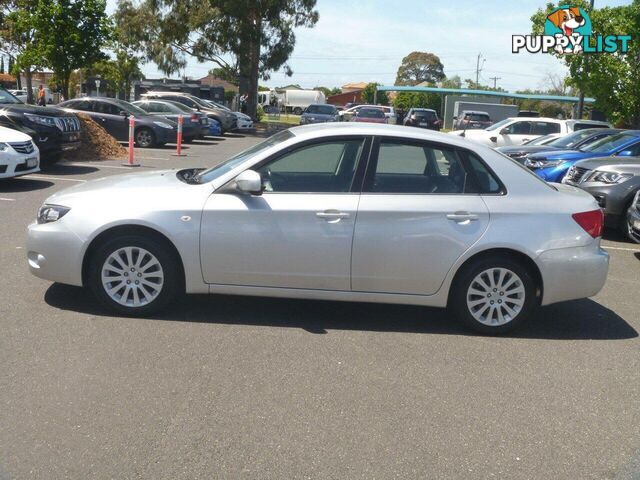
{"type": "Point", "coordinates": [462, 217]}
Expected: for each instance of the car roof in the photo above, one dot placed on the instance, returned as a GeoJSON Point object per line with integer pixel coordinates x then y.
{"type": "Point", "coordinates": [475, 111]}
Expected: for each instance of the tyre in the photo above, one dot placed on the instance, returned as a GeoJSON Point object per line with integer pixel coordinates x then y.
{"type": "Point", "coordinates": [188, 140]}
{"type": "Point", "coordinates": [145, 138]}
{"type": "Point", "coordinates": [493, 295]}
{"type": "Point", "coordinates": [626, 225]}
{"type": "Point", "coordinates": [297, 111]}
{"type": "Point", "coordinates": [134, 275]}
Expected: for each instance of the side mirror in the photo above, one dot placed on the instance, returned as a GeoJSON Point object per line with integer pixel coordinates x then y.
{"type": "Point", "coordinates": [249, 181]}
{"type": "Point", "coordinates": [504, 131]}
{"type": "Point", "coordinates": [625, 153]}
{"type": "Point", "coordinates": [123, 113]}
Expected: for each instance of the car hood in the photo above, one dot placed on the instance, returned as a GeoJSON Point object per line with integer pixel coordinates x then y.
{"type": "Point", "coordinates": [132, 188]}
{"type": "Point", "coordinates": [24, 108]}
{"type": "Point", "coordinates": [563, 155]}
{"type": "Point", "coordinates": [11, 135]}
{"type": "Point", "coordinates": [525, 149]}
{"type": "Point", "coordinates": [613, 164]}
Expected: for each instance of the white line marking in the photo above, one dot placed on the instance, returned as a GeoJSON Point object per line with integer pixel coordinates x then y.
{"type": "Point", "coordinates": [46, 177]}
{"type": "Point", "coordinates": [606, 247]}
{"type": "Point", "coordinates": [99, 165]}
{"type": "Point", "coordinates": [8, 199]}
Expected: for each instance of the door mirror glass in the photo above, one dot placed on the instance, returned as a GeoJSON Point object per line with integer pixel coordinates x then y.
{"type": "Point", "coordinates": [249, 181]}
{"type": "Point", "coordinates": [504, 131]}
{"type": "Point", "coordinates": [123, 113]}
{"type": "Point", "coordinates": [625, 153]}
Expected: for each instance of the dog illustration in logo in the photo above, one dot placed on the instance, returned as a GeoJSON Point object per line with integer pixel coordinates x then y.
{"type": "Point", "coordinates": [567, 20]}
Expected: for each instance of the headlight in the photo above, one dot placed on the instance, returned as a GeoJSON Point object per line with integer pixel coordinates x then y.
{"type": "Point", "coordinates": [41, 120]}
{"type": "Point", "coordinates": [542, 163]}
{"type": "Point", "coordinates": [610, 177]}
{"type": "Point", "coordinates": [3, 147]}
{"type": "Point", "coordinates": [51, 213]}
{"type": "Point", "coordinates": [163, 125]}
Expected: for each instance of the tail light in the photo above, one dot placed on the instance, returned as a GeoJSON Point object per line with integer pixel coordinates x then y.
{"type": "Point", "coordinates": [194, 117]}
{"type": "Point", "coordinates": [592, 222]}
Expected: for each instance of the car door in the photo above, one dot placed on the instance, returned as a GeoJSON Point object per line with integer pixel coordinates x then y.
{"type": "Point", "coordinates": [298, 232]}
{"type": "Point", "coordinates": [515, 133]}
{"type": "Point", "coordinates": [109, 117]}
{"type": "Point", "coordinates": [420, 210]}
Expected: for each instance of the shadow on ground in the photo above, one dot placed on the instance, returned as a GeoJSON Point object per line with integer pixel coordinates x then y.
{"type": "Point", "coordinates": [63, 168]}
{"type": "Point", "coordinates": [577, 320]}
{"type": "Point", "coordinates": [22, 184]}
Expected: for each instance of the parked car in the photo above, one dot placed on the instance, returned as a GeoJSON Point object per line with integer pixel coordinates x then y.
{"type": "Point", "coordinates": [215, 130]}
{"type": "Point", "coordinates": [18, 154]}
{"type": "Point", "coordinates": [422, 118]}
{"type": "Point", "coordinates": [548, 143]}
{"type": "Point", "coordinates": [319, 113]}
{"type": "Point", "coordinates": [471, 120]}
{"type": "Point", "coordinates": [613, 182]}
{"type": "Point", "coordinates": [19, 94]}
{"type": "Point", "coordinates": [113, 115]}
{"type": "Point", "coordinates": [552, 166]}
{"type": "Point", "coordinates": [348, 114]}
{"type": "Point", "coordinates": [227, 120]}
{"type": "Point", "coordinates": [194, 124]}
{"type": "Point", "coordinates": [633, 220]}
{"type": "Point", "coordinates": [53, 130]}
{"type": "Point", "coordinates": [518, 130]}
{"type": "Point", "coordinates": [433, 220]}
{"type": "Point", "coordinates": [243, 121]}
{"type": "Point", "coordinates": [370, 115]}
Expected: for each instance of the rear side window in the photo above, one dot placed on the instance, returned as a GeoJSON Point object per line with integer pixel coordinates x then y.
{"type": "Point", "coordinates": [545, 128]}
{"type": "Point", "coordinates": [584, 126]}
{"type": "Point", "coordinates": [403, 167]}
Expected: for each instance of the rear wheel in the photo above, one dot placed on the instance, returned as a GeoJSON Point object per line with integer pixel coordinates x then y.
{"type": "Point", "coordinates": [134, 275]}
{"type": "Point", "coordinates": [493, 295]}
{"type": "Point", "coordinates": [145, 138]}
{"type": "Point", "coordinates": [297, 111]}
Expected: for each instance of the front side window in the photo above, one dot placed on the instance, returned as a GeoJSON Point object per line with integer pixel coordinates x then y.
{"type": "Point", "coordinates": [326, 167]}
{"type": "Point", "coordinates": [519, 128]}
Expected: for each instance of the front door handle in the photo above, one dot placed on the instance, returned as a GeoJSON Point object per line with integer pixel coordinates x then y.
{"type": "Point", "coordinates": [332, 216]}
{"type": "Point", "coordinates": [462, 217]}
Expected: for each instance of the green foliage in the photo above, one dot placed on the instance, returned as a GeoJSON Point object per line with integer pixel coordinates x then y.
{"type": "Point", "coordinates": [407, 100]}
{"type": "Point", "coordinates": [259, 113]}
{"type": "Point", "coordinates": [329, 91]}
{"type": "Point", "coordinates": [225, 73]}
{"type": "Point", "coordinates": [369, 95]}
{"type": "Point", "coordinates": [418, 67]}
{"type": "Point", "coordinates": [453, 82]}
{"type": "Point", "coordinates": [119, 73]}
{"type": "Point", "coordinates": [229, 95]}
{"type": "Point", "coordinates": [612, 79]}
{"type": "Point", "coordinates": [246, 37]}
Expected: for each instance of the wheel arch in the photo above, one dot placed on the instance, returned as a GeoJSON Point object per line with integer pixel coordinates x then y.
{"type": "Point", "coordinates": [120, 230]}
{"type": "Point", "coordinates": [522, 258]}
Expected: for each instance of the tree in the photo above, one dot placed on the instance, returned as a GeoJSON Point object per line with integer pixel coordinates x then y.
{"type": "Point", "coordinates": [119, 73]}
{"type": "Point", "coordinates": [225, 73]}
{"type": "Point", "coordinates": [612, 79]}
{"type": "Point", "coordinates": [68, 35]}
{"type": "Point", "coordinates": [407, 100]}
{"type": "Point", "coordinates": [248, 37]}
{"type": "Point", "coordinates": [453, 82]}
{"type": "Point", "coordinates": [369, 95]}
{"type": "Point", "coordinates": [418, 67]}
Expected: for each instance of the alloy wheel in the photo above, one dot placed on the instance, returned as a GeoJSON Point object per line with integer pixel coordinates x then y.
{"type": "Point", "coordinates": [495, 296]}
{"type": "Point", "coordinates": [144, 138]}
{"type": "Point", "coordinates": [132, 276]}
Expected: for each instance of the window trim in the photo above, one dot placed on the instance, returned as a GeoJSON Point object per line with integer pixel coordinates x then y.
{"type": "Point", "coordinates": [355, 180]}
{"type": "Point", "coordinates": [372, 163]}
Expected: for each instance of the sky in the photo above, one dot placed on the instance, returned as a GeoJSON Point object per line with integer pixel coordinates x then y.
{"type": "Point", "coordinates": [365, 41]}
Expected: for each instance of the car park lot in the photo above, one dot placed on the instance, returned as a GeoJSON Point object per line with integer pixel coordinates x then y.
{"type": "Point", "coordinates": [234, 387]}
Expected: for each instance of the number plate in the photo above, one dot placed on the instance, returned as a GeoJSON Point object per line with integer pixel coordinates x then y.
{"type": "Point", "coordinates": [32, 162]}
{"type": "Point", "coordinates": [74, 137]}
{"type": "Point", "coordinates": [423, 124]}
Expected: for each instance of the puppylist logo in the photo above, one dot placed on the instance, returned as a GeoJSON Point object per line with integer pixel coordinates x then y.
{"type": "Point", "coordinates": [568, 30]}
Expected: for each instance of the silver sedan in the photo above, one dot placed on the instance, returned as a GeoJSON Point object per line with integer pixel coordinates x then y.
{"type": "Point", "coordinates": [354, 212]}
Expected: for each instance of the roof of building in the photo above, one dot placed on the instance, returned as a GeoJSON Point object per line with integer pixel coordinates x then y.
{"type": "Point", "coordinates": [358, 85]}
{"type": "Point", "coordinates": [214, 81]}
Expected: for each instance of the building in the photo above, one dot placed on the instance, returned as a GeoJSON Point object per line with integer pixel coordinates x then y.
{"type": "Point", "coordinates": [354, 96]}
{"type": "Point", "coordinates": [354, 87]}
{"type": "Point", "coordinates": [7, 80]}
{"type": "Point", "coordinates": [213, 81]}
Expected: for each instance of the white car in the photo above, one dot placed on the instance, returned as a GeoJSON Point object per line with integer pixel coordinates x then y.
{"type": "Point", "coordinates": [348, 114]}
{"type": "Point", "coordinates": [18, 154]}
{"type": "Point", "coordinates": [518, 130]}
{"type": "Point", "coordinates": [333, 211]}
{"type": "Point", "coordinates": [19, 94]}
{"type": "Point", "coordinates": [244, 121]}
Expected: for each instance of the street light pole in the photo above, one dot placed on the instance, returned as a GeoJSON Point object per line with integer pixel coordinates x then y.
{"type": "Point", "coordinates": [584, 72]}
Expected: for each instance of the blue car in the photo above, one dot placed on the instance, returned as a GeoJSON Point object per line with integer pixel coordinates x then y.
{"type": "Point", "coordinates": [215, 129]}
{"type": "Point", "coordinates": [552, 166]}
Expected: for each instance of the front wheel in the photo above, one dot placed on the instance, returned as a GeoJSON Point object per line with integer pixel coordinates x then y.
{"type": "Point", "coordinates": [145, 138]}
{"type": "Point", "coordinates": [493, 295]}
{"type": "Point", "coordinates": [297, 111]}
{"type": "Point", "coordinates": [134, 275]}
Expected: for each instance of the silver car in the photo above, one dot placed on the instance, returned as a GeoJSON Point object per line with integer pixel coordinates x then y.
{"type": "Point", "coordinates": [355, 212]}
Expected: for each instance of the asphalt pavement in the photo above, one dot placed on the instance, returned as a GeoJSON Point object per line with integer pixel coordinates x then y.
{"type": "Point", "coordinates": [257, 388]}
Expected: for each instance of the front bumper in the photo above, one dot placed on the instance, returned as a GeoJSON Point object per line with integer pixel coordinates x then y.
{"type": "Point", "coordinates": [573, 273]}
{"type": "Point", "coordinates": [54, 253]}
{"type": "Point", "coordinates": [13, 164]}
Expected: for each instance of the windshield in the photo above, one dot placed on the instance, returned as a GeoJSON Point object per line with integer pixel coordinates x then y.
{"type": "Point", "coordinates": [540, 140]}
{"type": "Point", "coordinates": [371, 113]}
{"type": "Point", "coordinates": [426, 114]}
{"type": "Point", "coordinates": [478, 117]}
{"type": "Point", "coordinates": [498, 125]}
{"type": "Point", "coordinates": [322, 109]}
{"type": "Point", "coordinates": [7, 98]}
{"type": "Point", "coordinates": [233, 162]}
{"type": "Point", "coordinates": [177, 106]}
{"type": "Point", "coordinates": [571, 139]}
{"type": "Point", "coordinates": [609, 143]}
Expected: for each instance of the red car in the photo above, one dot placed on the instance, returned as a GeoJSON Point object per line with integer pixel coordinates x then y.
{"type": "Point", "coordinates": [370, 115]}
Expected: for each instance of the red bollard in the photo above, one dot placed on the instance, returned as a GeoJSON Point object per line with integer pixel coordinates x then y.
{"type": "Point", "coordinates": [132, 124]}
{"type": "Point", "coordinates": [179, 139]}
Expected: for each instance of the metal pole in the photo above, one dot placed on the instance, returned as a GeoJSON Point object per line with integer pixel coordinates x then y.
{"type": "Point", "coordinates": [585, 70]}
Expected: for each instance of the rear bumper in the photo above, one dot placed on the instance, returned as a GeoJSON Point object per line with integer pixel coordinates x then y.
{"type": "Point", "coordinates": [572, 273]}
